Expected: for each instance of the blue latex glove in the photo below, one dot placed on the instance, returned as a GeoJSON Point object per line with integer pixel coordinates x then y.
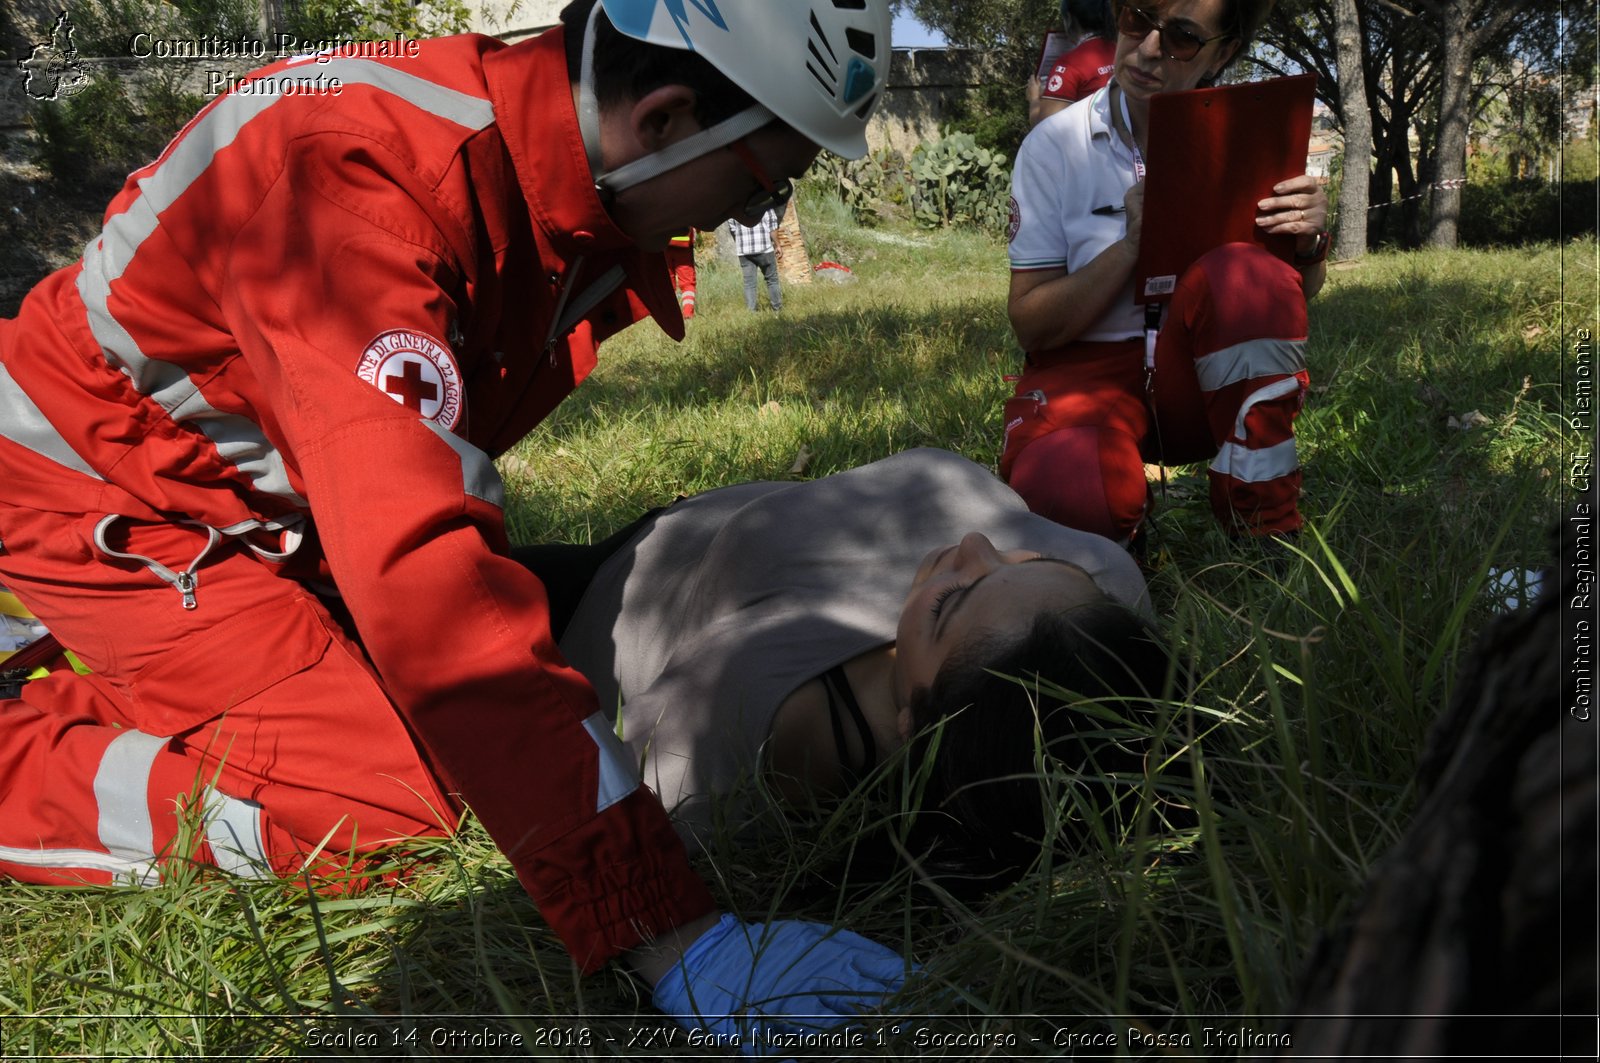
{"type": "Point", "coordinates": [751, 984]}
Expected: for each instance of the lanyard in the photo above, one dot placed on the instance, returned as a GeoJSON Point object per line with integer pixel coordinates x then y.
{"type": "Point", "coordinates": [1152, 311]}
{"type": "Point", "coordinates": [1127, 121]}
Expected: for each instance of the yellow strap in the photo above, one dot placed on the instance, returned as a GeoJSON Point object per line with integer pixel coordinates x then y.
{"type": "Point", "coordinates": [9, 606]}
{"type": "Point", "coordinates": [39, 673]}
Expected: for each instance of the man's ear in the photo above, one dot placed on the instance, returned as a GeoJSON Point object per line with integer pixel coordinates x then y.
{"type": "Point", "coordinates": [663, 116]}
{"type": "Point", "coordinates": [902, 721]}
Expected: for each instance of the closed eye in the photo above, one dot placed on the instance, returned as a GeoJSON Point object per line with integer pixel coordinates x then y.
{"type": "Point", "coordinates": [940, 598]}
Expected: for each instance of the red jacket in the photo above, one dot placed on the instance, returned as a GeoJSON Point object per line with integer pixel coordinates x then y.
{"type": "Point", "coordinates": [1082, 70]}
{"type": "Point", "coordinates": [333, 309]}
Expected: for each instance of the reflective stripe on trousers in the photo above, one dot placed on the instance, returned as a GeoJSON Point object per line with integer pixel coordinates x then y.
{"type": "Point", "coordinates": [121, 787]}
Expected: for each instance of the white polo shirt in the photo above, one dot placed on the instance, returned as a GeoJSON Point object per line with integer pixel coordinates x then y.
{"type": "Point", "coordinates": [1070, 164]}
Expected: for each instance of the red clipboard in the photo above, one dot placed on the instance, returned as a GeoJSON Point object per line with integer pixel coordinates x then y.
{"type": "Point", "coordinates": [1214, 154]}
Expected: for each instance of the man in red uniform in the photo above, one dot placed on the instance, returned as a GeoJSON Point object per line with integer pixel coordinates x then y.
{"type": "Point", "coordinates": [246, 448]}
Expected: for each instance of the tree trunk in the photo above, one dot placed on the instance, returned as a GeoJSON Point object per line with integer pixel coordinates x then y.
{"type": "Point", "coordinates": [1404, 215]}
{"type": "Point", "coordinates": [794, 264]}
{"type": "Point", "coordinates": [1382, 189]}
{"type": "Point", "coordinates": [1353, 187]}
{"type": "Point", "coordinates": [1485, 906]}
{"type": "Point", "coordinates": [1455, 113]}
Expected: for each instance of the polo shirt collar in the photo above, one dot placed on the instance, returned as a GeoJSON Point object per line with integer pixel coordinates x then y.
{"type": "Point", "coordinates": [1100, 112]}
{"type": "Point", "coordinates": [1100, 125]}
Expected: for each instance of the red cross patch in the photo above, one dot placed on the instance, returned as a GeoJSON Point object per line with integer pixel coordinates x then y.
{"type": "Point", "coordinates": [417, 371]}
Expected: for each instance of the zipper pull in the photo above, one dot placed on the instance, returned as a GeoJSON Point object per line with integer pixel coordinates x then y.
{"type": "Point", "coordinates": [186, 583]}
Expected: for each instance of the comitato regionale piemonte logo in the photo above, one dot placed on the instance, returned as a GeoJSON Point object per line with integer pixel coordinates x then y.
{"type": "Point", "coordinates": [51, 69]}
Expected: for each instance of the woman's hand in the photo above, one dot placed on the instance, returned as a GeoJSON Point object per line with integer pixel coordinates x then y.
{"type": "Point", "coordinates": [1298, 207]}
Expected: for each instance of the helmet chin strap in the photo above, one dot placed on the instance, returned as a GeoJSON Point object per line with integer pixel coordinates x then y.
{"type": "Point", "coordinates": [642, 169]}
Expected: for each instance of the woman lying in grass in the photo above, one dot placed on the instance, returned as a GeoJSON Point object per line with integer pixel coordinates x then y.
{"type": "Point", "coordinates": [804, 631]}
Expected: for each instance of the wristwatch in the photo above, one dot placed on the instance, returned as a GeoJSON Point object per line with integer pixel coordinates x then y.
{"type": "Point", "coordinates": [1319, 251]}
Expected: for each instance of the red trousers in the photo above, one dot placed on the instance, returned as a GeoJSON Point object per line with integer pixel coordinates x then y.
{"type": "Point", "coordinates": [249, 733]}
{"type": "Point", "coordinates": [681, 261]}
{"type": "Point", "coordinates": [1228, 383]}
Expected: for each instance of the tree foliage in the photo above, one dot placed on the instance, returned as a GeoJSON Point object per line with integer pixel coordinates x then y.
{"type": "Point", "coordinates": [1439, 78]}
{"type": "Point", "coordinates": [1014, 28]}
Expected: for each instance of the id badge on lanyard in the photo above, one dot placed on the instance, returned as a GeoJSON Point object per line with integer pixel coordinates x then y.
{"type": "Point", "coordinates": [1152, 311]}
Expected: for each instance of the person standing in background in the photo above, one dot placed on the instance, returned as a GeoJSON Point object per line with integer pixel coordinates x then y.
{"type": "Point", "coordinates": [757, 252]}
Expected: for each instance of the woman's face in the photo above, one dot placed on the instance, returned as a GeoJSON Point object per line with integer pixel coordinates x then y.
{"type": "Point", "coordinates": [1142, 67]}
{"type": "Point", "coordinates": [972, 590]}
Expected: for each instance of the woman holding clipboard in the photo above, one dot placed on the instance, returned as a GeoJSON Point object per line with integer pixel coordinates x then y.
{"type": "Point", "coordinates": [1224, 376]}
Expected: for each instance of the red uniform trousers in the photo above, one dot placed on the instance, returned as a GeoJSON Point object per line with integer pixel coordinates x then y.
{"type": "Point", "coordinates": [680, 259]}
{"type": "Point", "coordinates": [1229, 381]}
{"type": "Point", "coordinates": [250, 732]}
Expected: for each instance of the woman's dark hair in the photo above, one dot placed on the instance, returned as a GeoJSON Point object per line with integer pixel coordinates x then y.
{"type": "Point", "coordinates": [1094, 17]}
{"type": "Point", "coordinates": [627, 69]}
{"type": "Point", "coordinates": [1241, 20]}
{"type": "Point", "coordinates": [1085, 682]}
{"type": "Point", "coordinates": [1244, 19]}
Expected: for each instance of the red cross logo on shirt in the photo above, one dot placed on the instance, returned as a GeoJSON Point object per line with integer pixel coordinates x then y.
{"type": "Point", "coordinates": [409, 388]}
{"type": "Point", "coordinates": [418, 372]}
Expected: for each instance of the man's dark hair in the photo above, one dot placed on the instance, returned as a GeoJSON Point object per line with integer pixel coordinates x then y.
{"type": "Point", "coordinates": [1087, 683]}
{"type": "Point", "coordinates": [626, 69]}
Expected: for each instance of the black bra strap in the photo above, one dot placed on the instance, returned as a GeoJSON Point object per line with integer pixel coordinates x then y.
{"type": "Point", "coordinates": [837, 687]}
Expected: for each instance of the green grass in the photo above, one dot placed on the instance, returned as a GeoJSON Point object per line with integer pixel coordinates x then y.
{"type": "Point", "coordinates": [1319, 677]}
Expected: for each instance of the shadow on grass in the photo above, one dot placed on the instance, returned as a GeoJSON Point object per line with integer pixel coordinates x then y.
{"type": "Point", "coordinates": [822, 353]}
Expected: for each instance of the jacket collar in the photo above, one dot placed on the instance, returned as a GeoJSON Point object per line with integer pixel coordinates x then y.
{"type": "Point", "coordinates": [531, 92]}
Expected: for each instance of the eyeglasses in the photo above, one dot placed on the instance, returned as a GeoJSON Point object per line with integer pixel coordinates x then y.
{"type": "Point", "coordinates": [772, 194]}
{"type": "Point", "coordinates": [1177, 44]}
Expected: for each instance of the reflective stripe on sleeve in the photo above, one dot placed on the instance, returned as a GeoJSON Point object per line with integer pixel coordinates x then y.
{"type": "Point", "coordinates": [238, 439]}
{"type": "Point", "coordinates": [1256, 466]}
{"type": "Point", "coordinates": [22, 422]}
{"type": "Point", "coordinates": [1249, 360]}
{"type": "Point", "coordinates": [618, 775]}
{"type": "Point", "coordinates": [479, 477]}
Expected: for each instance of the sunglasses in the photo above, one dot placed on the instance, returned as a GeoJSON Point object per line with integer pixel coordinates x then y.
{"type": "Point", "coordinates": [1177, 44]}
{"type": "Point", "coordinates": [772, 195]}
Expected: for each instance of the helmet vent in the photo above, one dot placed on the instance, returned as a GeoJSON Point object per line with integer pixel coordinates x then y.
{"type": "Point", "coordinates": [826, 67]}
{"type": "Point", "coordinates": [862, 42]}
{"type": "Point", "coordinates": [866, 108]}
{"type": "Point", "coordinates": [858, 78]}
{"type": "Point", "coordinates": [826, 86]}
{"type": "Point", "coordinates": [850, 5]}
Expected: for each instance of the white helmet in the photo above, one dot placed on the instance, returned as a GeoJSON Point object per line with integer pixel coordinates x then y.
{"type": "Point", "coordinates": [819, 65]}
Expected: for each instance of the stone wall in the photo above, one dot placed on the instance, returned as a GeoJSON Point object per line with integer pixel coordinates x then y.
{"type": "Point", "coordinates": [926, 86]}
